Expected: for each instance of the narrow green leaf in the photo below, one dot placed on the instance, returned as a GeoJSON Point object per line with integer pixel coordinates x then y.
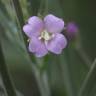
{"type": "Point", "coordinates": [55, 76]}
{"type": "Point", "coordinates": [8, 84]}
{"type": "Point", "coordinates": [88, 87]}
{"type": "Point", "coordinates": [33, 6]}
{"type": "Point", "coordinates": [18, 11]}
{"type": "Point", "coordinates": [2, 88]}
{"type": "Point", "coordinates": [3, 8]}
{"type": "Point", "coordinates": [16, 56]}
{"type": "Point", "coordinates": [20, 18]}
{"type": "Point", "coordinates": [73, 70]}
{"type": "Point", "coordinates": [66, 73]}
{"type": "Point", "coordinates": [42, 81]}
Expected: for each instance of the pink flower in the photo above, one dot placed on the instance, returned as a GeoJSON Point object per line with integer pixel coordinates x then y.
{"type": "Point", "coordinates": [45, 35]}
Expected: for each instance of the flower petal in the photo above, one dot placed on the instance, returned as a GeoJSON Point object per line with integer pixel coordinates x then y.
{"type": "Point", "coordinates": [36, 46]}
{"type": "Point", "coordinates": [34, 27]}
{"type": "Point", "coordinates": [57, 44]}
{"type": "Point", "coordinates": [36, 24]}
{"type": "Point", "coordinates": [53, 24]}
{"type": "Point", "coordinates": [28, 30]}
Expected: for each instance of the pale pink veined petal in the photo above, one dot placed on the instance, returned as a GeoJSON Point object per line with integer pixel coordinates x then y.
{"type": "Point", "coordinates": [53, 24]}
{"type": "Point", "coordinates": [34, 27]}
{"type": "Point", "coordinates": [57, 44]}
{"type": "Point", "coordinates": [37, 47]}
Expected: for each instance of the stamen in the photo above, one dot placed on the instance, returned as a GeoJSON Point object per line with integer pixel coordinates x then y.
{"type": "Point", "coordinates": [45, 35]}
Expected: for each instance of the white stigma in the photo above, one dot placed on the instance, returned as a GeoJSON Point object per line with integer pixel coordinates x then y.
{"type": "Point", "coordinates": [45, 35]}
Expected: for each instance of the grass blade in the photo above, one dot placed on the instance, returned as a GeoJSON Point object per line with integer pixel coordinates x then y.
{"type": "Point", "coordinates": [18, 11]}
{"type": "Point", "coordinates": [88, 87]}
{"type": "Point", "coordinates": [5, 75]}
{"type": "Point", "coordinates": [66, 74]}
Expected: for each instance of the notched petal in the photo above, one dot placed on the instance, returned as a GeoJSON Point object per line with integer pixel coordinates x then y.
{"type": "Point", "coordinates": [27, 30]}
{"type": "Point", "coordinates": [57, 44]}
{"type": "Point", "coordinates": [53, 24]}
{"type": "Point", "coordinates": [36, 23]}
{"type": "Point", "coordinates": [37, 47]}
{"type": "Point", "coordinates": [34, 27]}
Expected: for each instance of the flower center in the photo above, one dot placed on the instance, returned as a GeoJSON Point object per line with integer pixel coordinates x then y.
{"type": "Point", "coordinates": [45, 35]}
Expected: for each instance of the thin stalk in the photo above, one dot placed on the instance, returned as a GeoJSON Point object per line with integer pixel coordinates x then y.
{"type": "Point", "coordinates": [42, 78]}
{"type": "Point", "coordinates": [66, 73]}
{"type": "Point", "coordinates": [42, 81]}
{"type": "Point", "coordinates": [89, 81]}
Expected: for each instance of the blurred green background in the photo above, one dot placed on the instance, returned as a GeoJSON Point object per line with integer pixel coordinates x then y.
{"type": "Point", "coordinates": [70, 74]}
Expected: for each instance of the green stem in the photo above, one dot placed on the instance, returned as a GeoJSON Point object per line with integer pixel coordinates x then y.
{"type": "Point", "coordinates": [42, 81]}
{"type": "Point", "coordinates": [66, 73]}
{"type": "Point", "coordinates": [5, 76]}
{"type": "Point", "coordinates": [42, 78]}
